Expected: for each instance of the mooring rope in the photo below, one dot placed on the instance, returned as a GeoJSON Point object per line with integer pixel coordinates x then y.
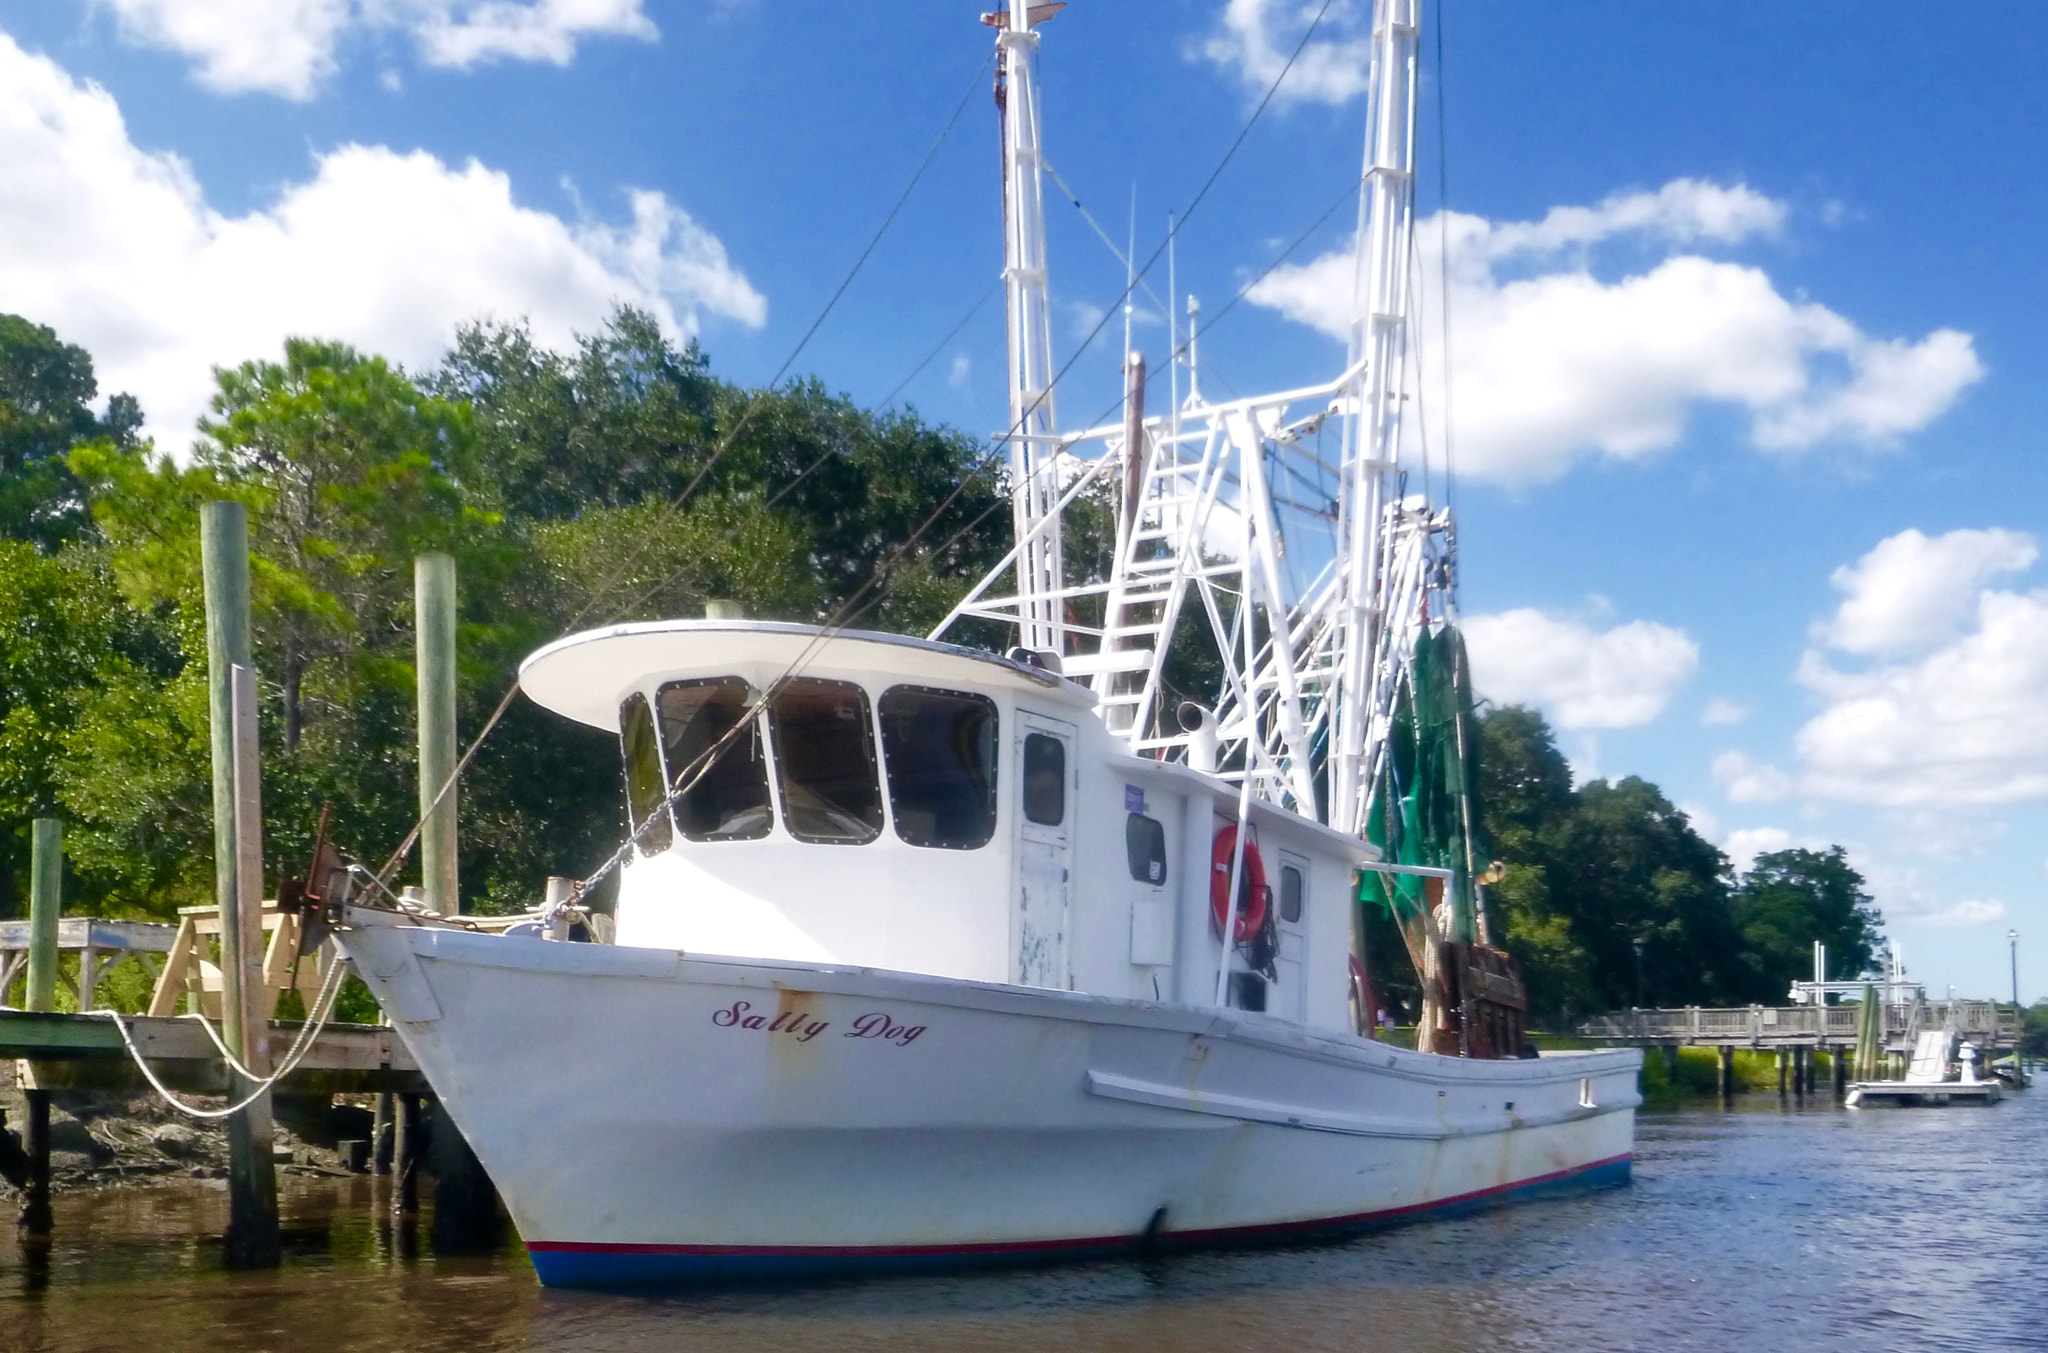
{"type": "Point", "coordinates": [323, 1007]}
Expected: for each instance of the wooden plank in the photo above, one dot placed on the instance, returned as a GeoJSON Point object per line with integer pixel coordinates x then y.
{"type": "Point", "coordinates": [340, 1047]}
{"type": "Point", "coordinates": [77, 932]}
{"type": "Point", "coordinates": [170, 983]}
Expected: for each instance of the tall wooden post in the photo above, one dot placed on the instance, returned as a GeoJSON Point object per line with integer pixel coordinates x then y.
{"type": "Point", "coordinates": [45, 903]}
{"type": "Point", "coordinates": [252, 1239]}
{"type": "Point", "coordinates": [1725, 1073]}
{"type": "Point", "coordinates": [465, 1203]}
{"type": "Point", "coordinates": [434, 624]}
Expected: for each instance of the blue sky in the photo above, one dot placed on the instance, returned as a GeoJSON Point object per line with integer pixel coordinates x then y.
{"type": "Point", "coordinates": [1751, 487]}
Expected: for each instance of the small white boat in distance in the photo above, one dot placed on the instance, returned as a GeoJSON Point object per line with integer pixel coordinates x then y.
{"type": "Point", "coordinates": [1928, 1080]}
{"type": "Point", "coordinates": [923, 971]}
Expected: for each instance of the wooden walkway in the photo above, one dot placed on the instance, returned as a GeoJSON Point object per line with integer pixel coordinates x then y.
{"type": "Point", "coordinates": [84, 1052]}
{"type": "Point", "coordinates": [1993, 1028]}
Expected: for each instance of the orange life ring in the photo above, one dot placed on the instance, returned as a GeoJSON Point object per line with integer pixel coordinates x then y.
{"type": "Point", "coordinates": [1253, 895]}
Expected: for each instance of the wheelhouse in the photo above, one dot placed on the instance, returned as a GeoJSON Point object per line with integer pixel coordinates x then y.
{"type": "Point", "coordinates": [885, 802]}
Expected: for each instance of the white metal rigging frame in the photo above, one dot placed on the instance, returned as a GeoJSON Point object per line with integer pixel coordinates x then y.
{"type": "Point", "coordinates": [1311, 573]}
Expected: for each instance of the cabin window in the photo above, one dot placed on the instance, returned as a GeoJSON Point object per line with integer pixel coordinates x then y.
{"type": "Point", "coordinates": [825, 762]}
{"type": "Point", "coordinates": [1290, 893]}
{"type": "Point", "coordinates": [1045, 780]}
{"type": "Point", "coordinates": [727, 800]}
{"type": "Point", "coordinates": [940, 751]}
{"type": "Point", "coordinates": [644, 789]}
{"type": "Point", "coordinates": [1145, 845]}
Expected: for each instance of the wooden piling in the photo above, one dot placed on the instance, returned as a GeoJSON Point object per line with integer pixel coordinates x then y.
{"type": "Point", "coordinates": [380, 1135]}
{"type": "Point", "coordinates": [1841, 1069]}
{"type": "Point", "coordinates": [252, 1238]}
{"type": "Point", "coordinates": [35, 1202]}
{"type": "Point", "coordinates": [45, 904]}
{"type": "Point", "coordinates": [405, 1157]}
{"type": "Point", "coordinates": [434, 630]}
{"type": "Point", "coordinates": [1671, 1064]}
{"type": "Point", "coordinates": [465, 1200]}
{"type": "Point", "coordinates": [1782, 1071]}
{"type": "Point", "coordinates": [1724, 1077]}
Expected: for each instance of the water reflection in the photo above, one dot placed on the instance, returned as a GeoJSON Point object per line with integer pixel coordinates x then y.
{"type": "Point", "coordinates": [1818, 1227]}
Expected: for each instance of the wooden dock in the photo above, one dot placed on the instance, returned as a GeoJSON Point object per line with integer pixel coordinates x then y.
{"type": "Point", "coordinates": [1992, 1027]}
{"type": "Point", "coordinates": [1903, 1094]}
{"type": "Point", "coordinates": [85, 1052]}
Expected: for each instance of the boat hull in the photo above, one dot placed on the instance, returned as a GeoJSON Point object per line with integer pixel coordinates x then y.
{"type": "Point", "coordinates": [651, 1117]}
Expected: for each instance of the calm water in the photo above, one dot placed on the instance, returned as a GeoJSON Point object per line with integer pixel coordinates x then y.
{"type": "Point", "coordinates": [1755, 1228]}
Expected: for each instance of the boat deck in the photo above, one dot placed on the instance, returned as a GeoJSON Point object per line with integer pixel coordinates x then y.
{"type": "Point", "coordinates": [1908, 1094]}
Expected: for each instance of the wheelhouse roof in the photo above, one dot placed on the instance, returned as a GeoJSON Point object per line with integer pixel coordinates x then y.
{"type": "Point", "coordinates": [587, 676]}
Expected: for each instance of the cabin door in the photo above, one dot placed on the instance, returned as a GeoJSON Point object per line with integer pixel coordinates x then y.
{"type": "Point", "coordinates": [1046, 781]}
{"type": "Point", "coordinates": [1290, 889]}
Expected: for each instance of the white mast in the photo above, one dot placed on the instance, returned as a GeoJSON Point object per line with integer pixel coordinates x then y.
{"type": "Point", "coordinates": [1278, 522]}
{"type": "Point", "coordinates": [1372, 413]}
{"type": "Point", "coordinates": [1032, 435]}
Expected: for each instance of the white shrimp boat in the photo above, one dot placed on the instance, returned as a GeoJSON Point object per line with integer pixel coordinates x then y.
{"type": "Point", "coordinates": [919, 951]}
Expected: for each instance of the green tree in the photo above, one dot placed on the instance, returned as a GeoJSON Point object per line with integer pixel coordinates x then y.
{"type": "Point", "coordinates": [65, 636]}
{"type": "Point", "coordinates": [1633, 868]}
{"type": "Point", "coordinates": [46, 392]}
{"type": "Point", "coordinates": [1526, 805]}
{"type": "Point", "coordinates": [1789, 899]}
{"type": "Point", "coordinates": [596, 448]}
{"type": "Point", "coordinates": [2034, 1032]}
{"type": "Point", "coordinates": [343, 464]}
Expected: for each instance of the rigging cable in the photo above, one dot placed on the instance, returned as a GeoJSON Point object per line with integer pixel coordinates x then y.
{"type": "Point", "coordinates": [688, 777]}
{"type": "Point", "coordinates": [724, 444]}
{"type": "Point", "coordinates": [853, 606]}
{"type": "Point", "coordinates": [990, 458]}
{"type": "Point", "coordinates": [1443, 263]}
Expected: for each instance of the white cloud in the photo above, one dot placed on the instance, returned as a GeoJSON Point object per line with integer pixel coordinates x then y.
{"type": "Point", "coordinates": [1952, 711]}
{"type": "Point", "coordinates": [1906, 898]}
{"type": "Point", "coordinates": [1721, 712]}
{"type": "Point", "coordinates": [1914, 590]}
{"type": "Point", "coordinates": [957, 374]}
{"type": "Point", "coordinates": [1683, 211]}
{"type": "Point", "coordinates": [288, 47]}
{"type": "Point", "coordinates": [116, 248]}
{"type": "Point", "coordinates": [1746, 843]}
{"type": "Point", "coordinates": [1745, 780]}
{"type": "Point", "coordinates": [1253, 39]}
{"type": "Point", "coordinates": [463, 33]}
{"type": "Point", "coordinates": [1964, 725]}
{"type": "Point", "coordinates": [1550, 364]}
{"type": "Point", "coordinates": [1704, 820]}
{"type": "Point", "coordinates": [1085, 320]}
{"type": "Point", "coordinates": [1582, 678]}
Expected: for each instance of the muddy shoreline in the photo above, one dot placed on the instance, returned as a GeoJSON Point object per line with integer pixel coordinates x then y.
{"type": "Point", "coordinates": [103, 1140]}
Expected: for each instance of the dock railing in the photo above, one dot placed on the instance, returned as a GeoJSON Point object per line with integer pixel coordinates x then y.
{"type": "Point", "coordinates": [1985, 1022]}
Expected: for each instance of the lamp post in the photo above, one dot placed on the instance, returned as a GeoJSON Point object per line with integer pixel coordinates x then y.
{"type": "Point", "coordinates": [2012, 941]}
{"type": "Point", "coordinates": [1638, 941]}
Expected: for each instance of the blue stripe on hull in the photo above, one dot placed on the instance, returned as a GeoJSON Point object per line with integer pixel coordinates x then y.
{"type": "Point", "coordinates": [561, 1265]}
